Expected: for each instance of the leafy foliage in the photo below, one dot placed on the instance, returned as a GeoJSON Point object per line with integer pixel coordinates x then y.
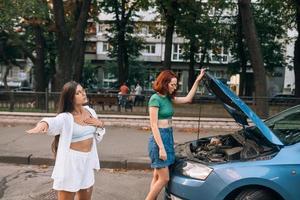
{"type": "Point", "coordinates": [90, 76]}
{"type": "Point", "coordinates": [9, 50]}
{"type": "Point", "coordinates": [272, 33]}
{"type": "Point", "coordinates": [125, 44]}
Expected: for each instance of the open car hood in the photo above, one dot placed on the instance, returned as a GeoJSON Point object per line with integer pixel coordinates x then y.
{"type": "Point", "coordinates": [237, 108]}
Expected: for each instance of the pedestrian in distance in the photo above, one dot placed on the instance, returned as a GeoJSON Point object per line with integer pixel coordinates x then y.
{"type": "Point", "coordinates": [161, 142]}
{"type": "Point", "coordinates": [124, 89]}
{"type": "Point", "coordinates": [76, 129]}
{"type": "Point", "coordinates": [123, 94]}
{"type": "Point", "coordinates": [138, 94]}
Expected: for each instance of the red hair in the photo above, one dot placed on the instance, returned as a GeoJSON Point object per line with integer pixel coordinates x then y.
{"type": "Point", "coordinates": [160, 85]}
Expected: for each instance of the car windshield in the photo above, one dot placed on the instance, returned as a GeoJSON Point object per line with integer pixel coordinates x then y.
{"type": "Point", "coordinates": [286, 125]}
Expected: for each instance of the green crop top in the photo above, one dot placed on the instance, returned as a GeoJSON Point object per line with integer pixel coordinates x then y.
{"type": "Point", "coordinates": [164, 104]}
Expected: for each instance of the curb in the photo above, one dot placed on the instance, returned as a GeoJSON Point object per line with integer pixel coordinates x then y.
{"type": "Point", "coordinates": [12, 118]}
{"type": "Point", "coordinates": [134, 164]}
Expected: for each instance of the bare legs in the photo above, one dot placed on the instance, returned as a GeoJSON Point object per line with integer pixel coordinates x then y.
{"type": "Point", "coordinates": [64, 195]}
{"type": "Point", "coordinates": [159, 181]}
{"type": "Point", "coordinates": [83, 194]}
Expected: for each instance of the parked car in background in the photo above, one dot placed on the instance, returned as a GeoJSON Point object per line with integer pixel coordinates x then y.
{"type": "Point", "coordinates": [284, 98]}
{"type": "Point", "coordinates": [258, 162]}
{"type": "Point", "coordinates": [23, 89]}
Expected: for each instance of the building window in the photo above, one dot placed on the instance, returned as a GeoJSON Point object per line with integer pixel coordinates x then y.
{"type": "Point", "coordinates": [219, 55]}
{"type": "Point", "coordinates": [145, 30]}
{"type": "Point", "coordinates": [90, 47]}
{"type": "Point", "coordinates": [91, 28]}
{"type": "Point", "coordinates": [103, 28]}
{"type": "Point", "coordinates": [149, 49]}
{"type": "Point", "coordinates": [106, 47]}
{"type": "Point", "coordinates": [177, 52]}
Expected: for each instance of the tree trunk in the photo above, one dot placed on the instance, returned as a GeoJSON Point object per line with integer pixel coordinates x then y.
{"type": "Point", "coordinates": [242, 56]}
{"type": "Point", "coordinates": [192, 63]}
{"type": "Point", "coordinates": [255, 57]}
{"type": "Point", "coordinates": [69, 52]}
{"type": "Point", "coordinates": [40, 83]}
{"type": "Point", "coordinates": [7, 69]}
{"type": "Point", "coordinates": [126, 62]}
{"type": "Point", "coordinates": [39, 64]}
{"type": "Point", "coordinates": [297, 52]}
{"type": "Point", "coordinates": [204, 54]}
{"type": "Point", "coordinates": [169, 8]}
{"type": "Point", "coordinates": [78, 44]}
{"type": "Point", "coordinates": [79, 64]}
{"type": "Point", "coordinates": [63, 67]}
{"type": "Point", "coordinates": [169, 42]}
{"type": "Point", "coordinates": [121, 56]}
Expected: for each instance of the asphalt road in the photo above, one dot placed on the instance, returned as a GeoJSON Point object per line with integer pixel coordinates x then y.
{"type": "Point", "coordinates": [31, 182]}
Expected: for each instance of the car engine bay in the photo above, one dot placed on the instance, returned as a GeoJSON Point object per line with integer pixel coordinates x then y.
{"type": "Point", "coordinates": [240, 146]}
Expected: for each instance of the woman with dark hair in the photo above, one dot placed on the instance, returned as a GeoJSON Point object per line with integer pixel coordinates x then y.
{"type": "Point", "coordinates": [161, 142]}
{"type": "Point", "coordinates": [76, 130]}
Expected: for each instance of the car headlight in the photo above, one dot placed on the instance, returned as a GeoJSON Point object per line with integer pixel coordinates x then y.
{"type": "Point", "coordinates": [195, 170]}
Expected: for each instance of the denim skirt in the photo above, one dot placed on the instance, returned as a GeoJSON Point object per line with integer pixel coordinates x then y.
{"type": "Point", "coordinates": [166, 135]}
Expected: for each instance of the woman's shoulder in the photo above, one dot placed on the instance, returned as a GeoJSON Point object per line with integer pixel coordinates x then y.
{"type": "Point", "coordinates": [154, 96]}
{"type": "Point", "coordinates": [159, 97]}
{"type": "Point", "coordinates": [64, 115]}
{"type": "Point", "coordinates": [91, 110]}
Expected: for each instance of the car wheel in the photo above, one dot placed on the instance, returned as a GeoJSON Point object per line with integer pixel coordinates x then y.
{"type": "Point", "coordinates": [254, 194]}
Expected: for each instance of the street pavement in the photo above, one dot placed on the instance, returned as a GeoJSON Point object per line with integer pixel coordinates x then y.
{"type": "Point", "coordinates": [33, 182]}
{"type": "Point", "coordinates": [121, 147]}
{"type": "Point", "coordinates": [26, 160]}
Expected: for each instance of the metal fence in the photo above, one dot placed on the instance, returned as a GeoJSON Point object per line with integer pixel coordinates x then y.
{"type": "Point", "coordinates": [112, 103]}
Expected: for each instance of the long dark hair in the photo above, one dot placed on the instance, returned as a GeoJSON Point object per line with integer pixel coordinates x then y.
{"type": "Point", "coordinates": [65, 104]}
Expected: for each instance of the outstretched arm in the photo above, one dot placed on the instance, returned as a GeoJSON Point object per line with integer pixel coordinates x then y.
{"type": "Point", "coordinates": [41, 127]}
{"type": "Point", "coordinates": [189, 97]}
{"type": "Point", "coordinates": [49, 125]}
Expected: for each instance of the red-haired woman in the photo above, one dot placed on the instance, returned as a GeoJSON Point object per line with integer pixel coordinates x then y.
{"type": "Point", "coordinates": [161, 142]}
{"type": "Point", "coordinates": [76, 129]}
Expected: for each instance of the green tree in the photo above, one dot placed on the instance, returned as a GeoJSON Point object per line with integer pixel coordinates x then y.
{"type": "Point", "coordinates": [272, 35]}
{"type": "Point", "coordinates": [29, 23]}
{"type": "Point", "coordinates": [90, 76]}
{"type": "Point", "coordinates": [169, 12]}
{"type": "Point", "coordinates": [70, 18]}
{"type": "Point", "coordinates": [125, 46]}
{"type": "Point", "coordinates": [202, 31]}
{"type": "Point", "coordinates": [9, 52]}
{"type": "Point", "coordinates": [137, 71]}
{"type": "Point", "coordinates": [296, 7]}
{"type": "Point", "coordinates": [256, 57]}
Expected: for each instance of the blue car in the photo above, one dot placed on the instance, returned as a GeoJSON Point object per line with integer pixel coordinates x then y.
{"type": "Point", "coordinates": [259, 162]}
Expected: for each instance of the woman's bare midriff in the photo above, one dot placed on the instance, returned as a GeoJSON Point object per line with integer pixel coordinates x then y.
{"type": "Point", "coordinates": [164, 123]}
{"type": "Point", "coordinates": [84, 145]}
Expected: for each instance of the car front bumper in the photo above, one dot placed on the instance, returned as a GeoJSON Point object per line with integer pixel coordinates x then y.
{"type": "Point", "coordinates": [181, 187]}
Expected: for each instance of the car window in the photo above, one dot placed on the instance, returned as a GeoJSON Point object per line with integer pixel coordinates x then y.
{"type": "Point", "coordinates": [287, 127]}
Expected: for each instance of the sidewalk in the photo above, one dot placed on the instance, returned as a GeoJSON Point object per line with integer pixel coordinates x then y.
{"type": "Point", "coordinates": [125, 120]}
{"type": "Point", "coordinates": [122, 146]}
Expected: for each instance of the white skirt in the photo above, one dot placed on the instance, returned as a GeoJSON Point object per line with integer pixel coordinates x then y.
{"type": "Point", "coordinates": [79, 173]}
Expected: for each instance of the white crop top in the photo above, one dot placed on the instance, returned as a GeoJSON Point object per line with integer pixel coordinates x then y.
{"type": "Point", "coordinates": [82, 132]}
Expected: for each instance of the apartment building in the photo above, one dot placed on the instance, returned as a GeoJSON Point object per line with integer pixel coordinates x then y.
{"type": "Point", "coordinates": [153, 54]}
